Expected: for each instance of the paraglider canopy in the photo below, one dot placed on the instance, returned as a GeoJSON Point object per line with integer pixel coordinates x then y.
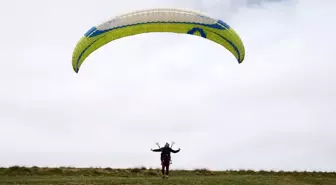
{"type": "Point", "coordinates": [158, 20]}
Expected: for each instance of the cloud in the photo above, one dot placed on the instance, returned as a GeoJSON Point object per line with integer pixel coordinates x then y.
{"type": "Point", "coordinates": [274, 111]}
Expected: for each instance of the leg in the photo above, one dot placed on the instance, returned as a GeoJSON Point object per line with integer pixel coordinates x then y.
{"type": "Point", "coordinates": [167, 170]}
{"type": "Point", "coordinates": [163, 167]}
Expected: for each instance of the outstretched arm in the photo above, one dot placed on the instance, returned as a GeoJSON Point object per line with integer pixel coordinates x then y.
{"type": "Point", "coordinates": [157, 150]}
{"type": "Point", "coordinates": [175, 151]}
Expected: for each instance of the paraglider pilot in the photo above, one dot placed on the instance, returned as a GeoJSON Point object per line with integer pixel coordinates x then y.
{"type": "Point", "coordinates": [165, 157]}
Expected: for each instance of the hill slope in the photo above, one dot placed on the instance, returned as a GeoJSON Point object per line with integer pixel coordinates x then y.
{"type": "Point", "coordinates": [107, 176]}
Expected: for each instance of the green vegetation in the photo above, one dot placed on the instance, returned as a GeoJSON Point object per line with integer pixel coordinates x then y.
{"type": "Point", "coordinates": [142, 176]}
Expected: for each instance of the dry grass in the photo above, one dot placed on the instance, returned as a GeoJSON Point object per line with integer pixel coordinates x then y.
{"type": "Point", "coordinates": [108, 176]}
{"type": "Point", "coordinates": [143, 171]}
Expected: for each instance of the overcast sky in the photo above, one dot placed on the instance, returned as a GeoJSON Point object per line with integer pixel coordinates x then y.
{"type": "Point", "coordinates": [275, 111]}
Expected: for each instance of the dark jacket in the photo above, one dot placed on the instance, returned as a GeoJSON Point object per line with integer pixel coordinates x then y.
{"type": "Point", "coordinates": [165, 152]}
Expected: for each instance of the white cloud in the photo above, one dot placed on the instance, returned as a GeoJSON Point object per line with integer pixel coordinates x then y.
{"type": "Point", "coordinates": [274, 111]}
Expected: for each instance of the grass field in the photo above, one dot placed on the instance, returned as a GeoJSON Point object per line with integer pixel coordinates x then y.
{"type": "Point", "coordinates": [142, 176]}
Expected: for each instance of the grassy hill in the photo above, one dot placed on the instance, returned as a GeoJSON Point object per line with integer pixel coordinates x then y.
{"type": "Point", "coordinates": [108, 176]}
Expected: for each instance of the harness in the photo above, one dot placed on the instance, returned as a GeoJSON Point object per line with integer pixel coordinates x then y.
{"type": "Point", "coordinates": [165, 155]}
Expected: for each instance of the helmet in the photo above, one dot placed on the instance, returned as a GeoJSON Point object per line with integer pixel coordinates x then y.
{"type": "Point", "coordinates": [167, 145]}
